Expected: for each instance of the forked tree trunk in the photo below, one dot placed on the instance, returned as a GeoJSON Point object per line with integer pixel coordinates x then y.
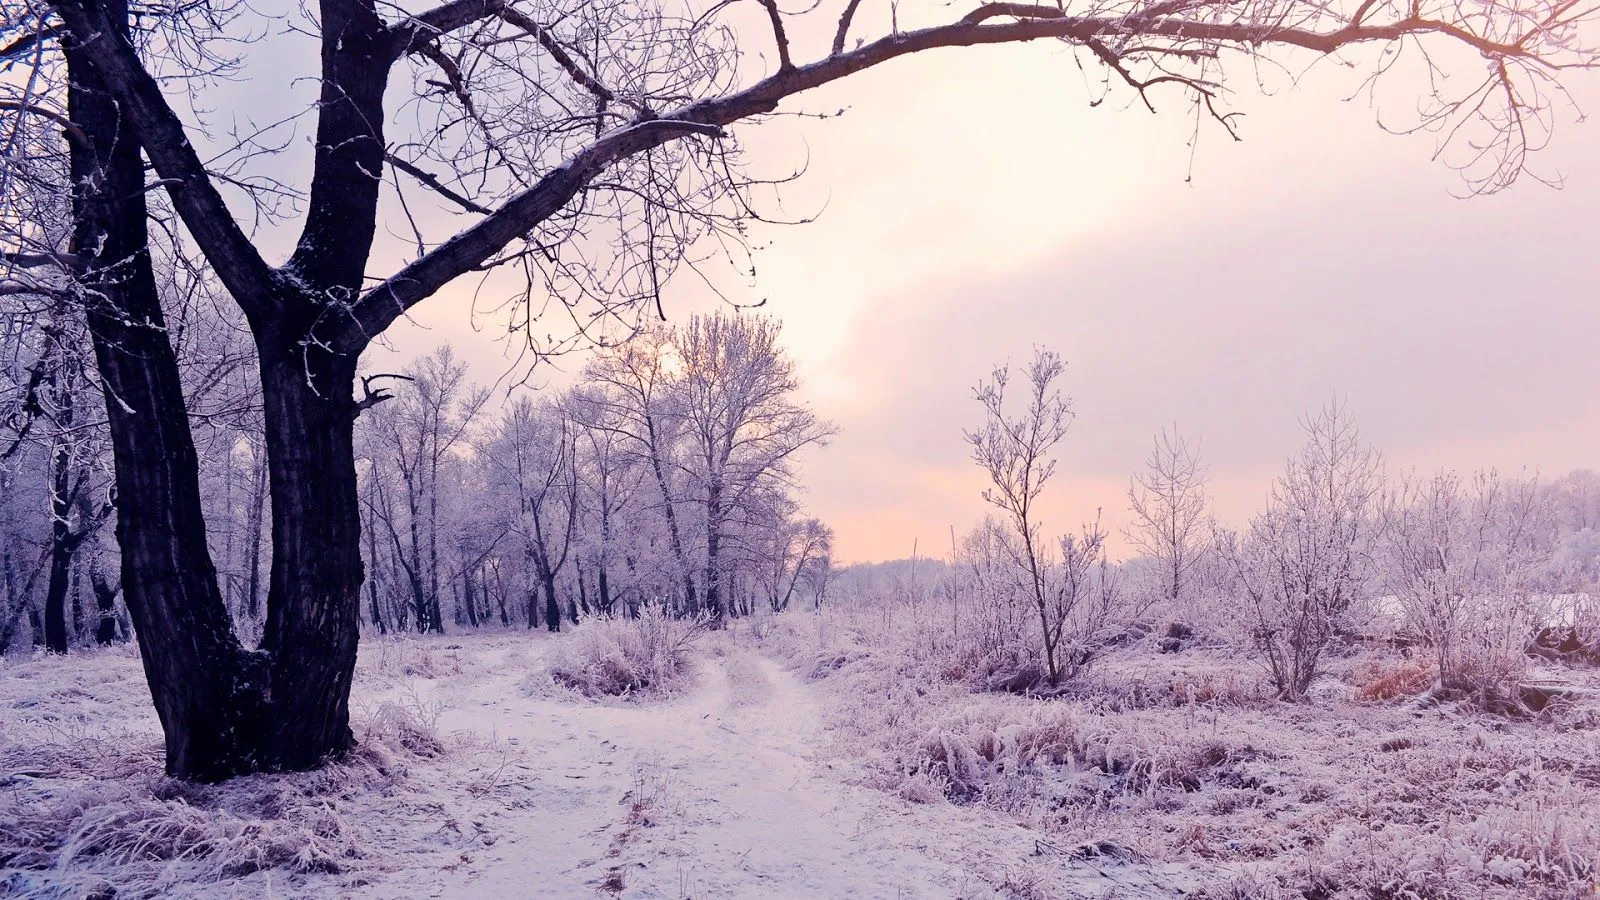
{"type": "Point", "coordinates": [225, 711]}
{"type": "Point", "coordinates": [208, 692]}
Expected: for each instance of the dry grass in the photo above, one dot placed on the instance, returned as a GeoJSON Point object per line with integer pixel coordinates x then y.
{"type": "Point", "coordinates": [1184, 759]}
{"type": "Point", "coordinates": [1405, 678]}
{"type": "Point", "coordinates": [87, 812]}
{"type": "Point", "coordinates": [622, 657]}
{"type": "Point", "coordinates": [93, 819]}
{"type": "Point", "coordinates": [408, 656]}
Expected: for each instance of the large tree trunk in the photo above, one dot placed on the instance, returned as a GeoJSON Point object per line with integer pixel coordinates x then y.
{"type": "Point", "coordinates": [314, 590]}
{"type": "Point", "coordinates": [208, 692]}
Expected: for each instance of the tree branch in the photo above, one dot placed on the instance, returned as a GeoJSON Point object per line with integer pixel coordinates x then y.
{"type": "Point", "coordinates": [470, 248]}
{"type": "Point", "coordinates": [383, 304]}
{"type": "Point", "coordinates": [778, 34]}
{"type": "Point", "coordinates": [331, 255]}
{"type": "Point", "coordinates": [436, 184]}
{"type": "Point", "coordinates": [26, 260]}
{"type": "Point", "coordinates": [237, 263]}
{"type": "Point", "coordinates": [558, 53]}
{"type": "Point", "coordinates": [844, 27]}
{"type": "Point", "coordinates": [28, 41]}
{"type": "Point", "coordinates": [371, 396]}
{"type": "Point", "coordinates": [406, 36]}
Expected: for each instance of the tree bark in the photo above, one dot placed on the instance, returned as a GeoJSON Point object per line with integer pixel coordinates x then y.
{"type": "Point", "coordinates": [105, 600]}
{"type": "Point", "coordinates": [713, 552]}
{"type": "Point", "coordinates": [552, 607]}
{"type": "Point", "coordinates": [208, 692]}
{"type": "Point", "coordinates": [61, 545]}
{"type": "Point", "coordinates": [258, 500]}
{"type": "Point", "coordinates": [314, 589]}
{"type": "Point", "coordinates": [690, 600]}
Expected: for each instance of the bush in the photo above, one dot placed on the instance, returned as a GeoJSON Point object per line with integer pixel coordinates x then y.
{"type": "Point", "coordinates": [618, 657]}
{"type": "Point", "coordinates": [1302, 564]}
{"type": "Point", "coordinates": [1463, 560]}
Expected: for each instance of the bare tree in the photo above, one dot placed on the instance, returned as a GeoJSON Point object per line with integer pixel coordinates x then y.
{"type": "Point", "coordinates": [610, 477]}
{"type": "Point", "coordinates": [634, 391]}
{"type": "Point", "coordinates": [55, 410]}
{"type": "Point", "coordinates": [1304, 561]}
{"type": "Point", "coordinates": [1578, 501]}
{"type": "Point", "coordinates": [532, 456]}
{"type": "Point", "coordinates": [1017, 452]}
{"type": "Point", "coordinates": [742, 424]}
{"type": "Point", "coordinates": [1168, 501]}
{"type": "Point", "coordinates": [412, 439]}
{"type": "Point", "coordinates": [783, 551]}
{"type": "Point", "coordinates": [591, 149]}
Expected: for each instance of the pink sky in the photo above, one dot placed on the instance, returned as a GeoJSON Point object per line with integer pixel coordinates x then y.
{"type": "Point", "coordinates": [970, 204]}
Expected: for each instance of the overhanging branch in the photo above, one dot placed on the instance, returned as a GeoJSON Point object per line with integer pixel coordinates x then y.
{"type": "Point", "coordinates": [525, 211]}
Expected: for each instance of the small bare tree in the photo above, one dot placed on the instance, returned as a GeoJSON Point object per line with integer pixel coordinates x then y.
{"type": "Point", "coordinates": [1018, 454]}
{"type": "Point", "coordinates": [1168, 502]}
{"type": "Point", "coordinates": [1305, 560]}
{"type": "Point", "coordinates": [1085, 598]}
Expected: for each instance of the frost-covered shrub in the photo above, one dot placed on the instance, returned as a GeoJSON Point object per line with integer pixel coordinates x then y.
{"type": "Point", "coordinates": [409, 723]}
{"type": "Point", "coordinates": [623, 656]}
{"type": "Point", "coordinates": [1302, 565]}
{"type": "Point", "coordinates": [1464, 560]}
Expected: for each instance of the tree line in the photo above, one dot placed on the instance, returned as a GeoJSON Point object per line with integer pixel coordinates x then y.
{"type": "Point", "coordinates": [664, 475]}
{"type": "Point", "coordinates": [1476, 570]}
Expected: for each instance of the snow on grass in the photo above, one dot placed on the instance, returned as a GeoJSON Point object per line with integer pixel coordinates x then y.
{"type": "Point", "coordinates": [621, 657]}
{"type": "Point", "coordinates": [87, 811]}
{"type": "Point", "coordinates": [870, 767]}
{"type": "Point", "coordinates": [1183, 758]}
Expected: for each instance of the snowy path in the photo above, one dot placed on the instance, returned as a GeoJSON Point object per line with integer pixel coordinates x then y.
{"type": "Point", "coordinates": [715, 794]}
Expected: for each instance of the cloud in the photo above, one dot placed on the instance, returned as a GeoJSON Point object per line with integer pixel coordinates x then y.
{"type": "Point", "coordinates": [1460, 333]}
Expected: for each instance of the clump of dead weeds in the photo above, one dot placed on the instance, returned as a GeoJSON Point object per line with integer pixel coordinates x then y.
{"type": "Point", "coordinates": [622, 657]}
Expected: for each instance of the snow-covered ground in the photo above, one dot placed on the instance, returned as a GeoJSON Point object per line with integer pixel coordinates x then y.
{"type": "Point", "coordinates": [716, 793]}
{"type": "Point", "coordinates": [791, 766]}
